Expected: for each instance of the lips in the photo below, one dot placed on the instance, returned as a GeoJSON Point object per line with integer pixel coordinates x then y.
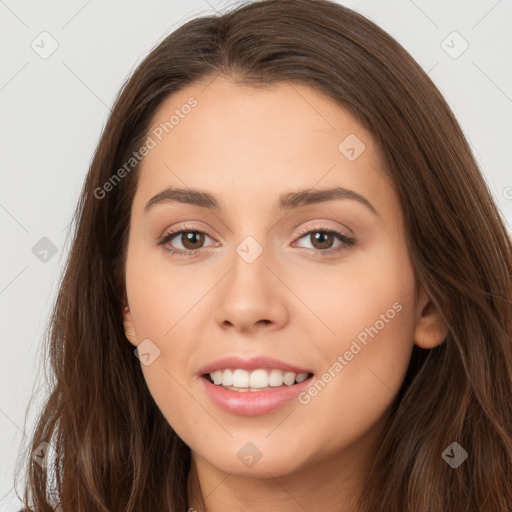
{"type": "Point", "coordinates": [251, 401]}
{"type": "Point", "coordinates": [250, 364]}
{"type": "Point", "coordinates": [256, 403]}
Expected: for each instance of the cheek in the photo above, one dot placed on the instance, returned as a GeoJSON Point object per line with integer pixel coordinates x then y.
{"type": "Point", "coordinates": [363, 375]}
{"type": "Point", "coordinates": [165, 304]}
{"type": "Point", "coordinates": [368, 296]}
{"type": "Point", "coordinates": [371, 315]}
{"type": "Point", "coordinates": [162, 294]}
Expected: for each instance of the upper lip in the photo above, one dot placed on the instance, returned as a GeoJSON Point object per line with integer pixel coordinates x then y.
{"type": "Point", "coordinates": [252, 363]}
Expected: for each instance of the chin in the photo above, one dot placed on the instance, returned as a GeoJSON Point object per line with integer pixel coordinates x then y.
{"type": "Point", "coordinates": [249, 460]}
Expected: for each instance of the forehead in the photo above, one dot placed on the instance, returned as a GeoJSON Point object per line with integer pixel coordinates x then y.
{"type": "Point", "coordinates": [224, 136]}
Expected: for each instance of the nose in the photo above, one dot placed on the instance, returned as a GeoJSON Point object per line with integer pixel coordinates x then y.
{"type": "Point", "coordinates": [252, 297]}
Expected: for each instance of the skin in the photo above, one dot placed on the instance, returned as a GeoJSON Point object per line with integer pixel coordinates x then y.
{"type": "Point", "coordinates": [247, 146]}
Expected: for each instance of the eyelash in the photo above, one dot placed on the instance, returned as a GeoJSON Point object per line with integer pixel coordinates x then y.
{"type": "Point", "coordinates": [347, 242]}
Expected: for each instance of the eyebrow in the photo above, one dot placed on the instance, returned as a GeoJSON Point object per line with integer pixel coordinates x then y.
{"type": "Point", "coordinates": [290, 200]}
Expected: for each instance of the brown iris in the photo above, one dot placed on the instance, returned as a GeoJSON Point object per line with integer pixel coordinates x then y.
{"type": "Point", "coordinates": [192, 238]}
{"type": "Point", "coordinates": [323, 238]}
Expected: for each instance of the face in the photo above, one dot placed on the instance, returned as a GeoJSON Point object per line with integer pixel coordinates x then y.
{"type": "Point", "coordinates": [290, 283]}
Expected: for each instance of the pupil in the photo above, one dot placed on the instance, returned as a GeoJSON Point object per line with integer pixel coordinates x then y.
{"type": "Point", "coordinates": [325, 239]}
{"type": "Point", "coordinates": [190, 236]}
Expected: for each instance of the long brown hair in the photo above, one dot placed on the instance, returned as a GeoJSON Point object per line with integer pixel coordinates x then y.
{"type": "Point", "coordinates": [106, 431]}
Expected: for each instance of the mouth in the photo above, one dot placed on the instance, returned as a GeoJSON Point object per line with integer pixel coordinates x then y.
{"type": "Point", "coordinates": [253, 386]}
{"type": "Point", "coordinates": [258, 380]}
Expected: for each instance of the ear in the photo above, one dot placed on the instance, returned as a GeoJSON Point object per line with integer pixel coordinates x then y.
{"type": "Point", "coordinates": [431, 330]}
{"type": "Point", "coordinates": [129, 328]}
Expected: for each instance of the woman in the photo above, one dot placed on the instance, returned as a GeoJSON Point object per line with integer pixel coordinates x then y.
{"type": "Point", "coordinates": [369, 370]}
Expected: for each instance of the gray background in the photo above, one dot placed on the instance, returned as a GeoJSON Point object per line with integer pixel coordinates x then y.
{"type": "Point", "coordinates": [53, 109]}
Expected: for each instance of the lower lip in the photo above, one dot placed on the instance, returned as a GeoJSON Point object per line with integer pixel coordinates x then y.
{"type": "Point", "coordinates": [252, 403]}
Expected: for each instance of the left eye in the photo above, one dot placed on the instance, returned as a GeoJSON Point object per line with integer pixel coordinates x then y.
{"type": "Point", "coordinates": [322, 240]}
{"type": "Point", "coordinates": [191, 241]}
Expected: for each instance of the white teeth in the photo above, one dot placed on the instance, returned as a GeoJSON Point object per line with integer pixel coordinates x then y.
{"type": "Point", "coordinates": [289, 378]}
{"type": "Point", "coordinates": [257, 379]}
{"type": "Point", "coordinates": [227, 378]}
{"type": "Point", "coordinates": [301, 377]}
{"type": "Point", "coordinates": [216, 376]}
{"type": "Point", "coordinates": [275, 378]}
{"type": "Point", "coordinates": [240, 379]}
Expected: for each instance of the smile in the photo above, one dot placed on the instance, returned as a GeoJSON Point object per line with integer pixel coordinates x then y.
{"type": "Point", "coordinates": [256, 380]}
{"type": "Point", "coordinates": [245, 400]}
